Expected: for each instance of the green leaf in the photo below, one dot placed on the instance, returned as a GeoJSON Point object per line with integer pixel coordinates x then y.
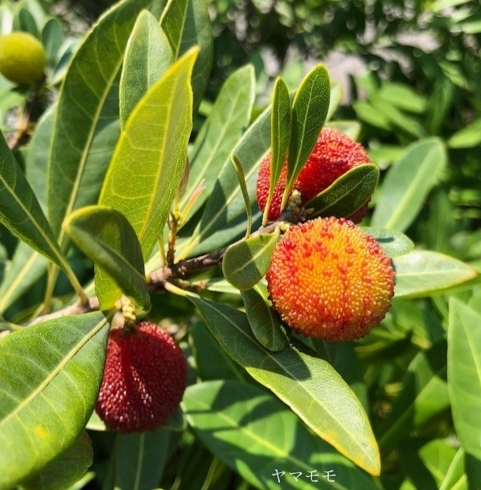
{"type": "Point", "coordinates": [155, 138]}
{"type": "Point", "coordinates": [423, 396]}
{"type": "Point", "coordinates": [47, 393]}
{"type": "Point", "coordinates": [66, 469]}
{"type": "Point", "coordinates": [280, 133]}
{"type": "Point", "coordinates": [346, 194]}
{"type": "Point", "coordinates": [266, 324]}
{"type": "Point", "coordinates": [455, 478]}
{"type": "Point", "coordinates": [52, 37]}
{"type": "Point", "coordinates": [366, 112]}
{"type": "Point", "coordinates": [186, 23]}
{"type": "Point", "coordinates": [393, 243]}
{"type": "Point", "coordinates": [147, 57]}
{"type": "Point", "coordinates": [226, 203]}
{"type": "Point", "coordinates": [217, 411]}
{"type": "Point", "coordinates": [24, 270]}
{"type": "Point", "coordinates": [220, 133]}
{"type": "Point", "coordinates": [246, 263]}
{"type": "Point", "coordinates": [334, 99]}
{"type": "Point", "coordinates": [24, 21]}
{"type": "Point", "coordinates": [309, 112]}
{"type": "Point", "coordinates": [243, 186]}
{"type": "Point", "coordinates": [86, 124]}
{"type": "Point", "coordinates": [211, 360]}
{"type": "Point", "coordinates": [140, 459]}
{"type": "Point", "coordinates": [421, 273]}
{"type": "Point", "coordinates": [468, 137]}
{"type": "Point", "coordinates": [402, 97]}
{"type": "Point", "coordinates": [464, 374]}
{"type": "Point", "coordinates": [407, 184]}
{"type": "Point", "coordinates": [333, 413]}
{"type": "Point", "coordinates": [20, 211]}
{"type": "Point", "coordinates": [351, 128]}
{"type": "Point", "coordinates": [108, 239]}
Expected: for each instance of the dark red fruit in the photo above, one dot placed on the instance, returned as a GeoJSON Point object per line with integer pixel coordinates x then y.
{"type": "Point", "coordinates": [144, 379]}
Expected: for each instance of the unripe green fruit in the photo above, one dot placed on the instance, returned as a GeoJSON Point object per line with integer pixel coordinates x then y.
{"type": "Point", "coordinates": [22, 58]}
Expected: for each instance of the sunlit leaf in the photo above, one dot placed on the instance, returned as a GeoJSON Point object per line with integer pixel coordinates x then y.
{"type": "Point", "coordinates": [421, 273]}
{"type": "Point", "coordinates": [334, 413]}
{"type": "Point", "coordinates": [86, 124]}
{"type": "Point", "coordinates": [464, 374]}
{"type": "Point", "coordinates": [217, 411]}
{"type": "Point", "coordinates": [154, 139]}
{"type": "Point", "coordinates": [408, 183]}
{"type": "Point", "coordinates": [48, 393]}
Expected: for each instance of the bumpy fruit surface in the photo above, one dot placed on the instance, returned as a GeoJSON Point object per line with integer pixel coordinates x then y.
{"type": "Point", "coordinates": [22, 58]}
{"type": "Point", "coordinates": [334, 154]}
{"type": "Point", "coordinates": [330, 280]}
{"type": "Point", "coordinates": [144, 379]}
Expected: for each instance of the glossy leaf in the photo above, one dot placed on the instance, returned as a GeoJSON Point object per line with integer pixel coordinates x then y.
{"type": "Point", "coordinates": [66, 469]}
{"type": "Point", "coordinates": [393, 243]}
{"type": "Point", "coordinates": [147, 57]}
{"type": "Point", "coordinates": [154, 139]}
{"type": "Point", "coordinates": [455, 478]}
{"type": "Point", "coordinates": [266, 324]}
{"type": "Point", "coordinates": [424, 395]}
{"type": "Point", "coordinates": [247, 262]}
{"type": "Point", "coordinates": [220, 133]}
{"type": "Point", "coordinates": [346, 194]}
{"type": "Point", "coordinates": [464, 374]}
{"type": "Point", "coordinates": [140, 459]}
{"type": "Point", "coordinates": [333, 413]}
{"type": "Point", "coordinates": [309, 112]}
{"type": "Point", "coordinates": [47, 393]}
{"type": "Point", "coordinates": [407, 184]}
{"type": "Point", "coordinates": [226, 203]}
{"type": "Point", "coordinates": [108, 239]}
{"type": "Point", "coordinates": [421, 273]}
{"type": "Point", "coordinates": [20, 210]}
{"type": "Point", "coordinates": [186, 23]}
{"type": "Point", "coordinates": [217, 412]}
{"type": "Point", "coordinates": [86, 124]}
{"type": "Point", "coordinates": [280, 133]}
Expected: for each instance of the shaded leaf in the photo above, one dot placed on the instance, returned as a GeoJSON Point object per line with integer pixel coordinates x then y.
{"type": "Point", "coordinates": [86, 124]}
{"type": "Point", "coordinates": [48, 393]}
{"type": "Point", "coordinates": [52, 37]}
{"type": "Point", "coordinates": [393, 243]}
{"type": "Point", "coordinates": [407, 184]}
{"type": "Point", "coordinates": [423, 396]}
{"type": "Point", "coordinates": [20, 211]}
{"type": "Point", "coordinates": [246, 263]}
{"type": "Point", "coordinates": [243, 186]}
{"type": "Point", "coordinates": [229, 417]}
{"type": "Point", "coordinates": [155, 138]}
{"type": "Point", "coordinates": [333, 413]}
{"type": "Point", "coordinates": [220, 133]}
{"type": "Point", "coordinates": [346, 194]}
{"type": "Point", "coordinates": [309, 112]}
{"type": "Point", "coordinates": [335, 98]}
{"type": "Point", "coordinates": [66, 469]}
{"type": "Point", "coordinates": [421, 273]}
{"type": "Point", "coordinates": [464, 374]}
{"type": "Point", "coordinates": [108, 239]}
{"type": "Point", "coordinates": [266, 323]}
{"type": "Point", "coordinates": [186, 23]}
{"type": "Point", "coordinates": [147, 57]}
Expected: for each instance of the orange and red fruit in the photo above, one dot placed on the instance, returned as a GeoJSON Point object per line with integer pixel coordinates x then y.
{"type": "Point", "coordinates": [334, 154]}
{"type": "Point", "coordinates": [330, 280]}
{"type": "Point", "coordinates": [144, 379]}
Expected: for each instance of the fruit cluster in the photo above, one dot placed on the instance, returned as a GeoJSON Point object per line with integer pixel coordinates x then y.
{"type": "Point", "coordinates": [328, 279]}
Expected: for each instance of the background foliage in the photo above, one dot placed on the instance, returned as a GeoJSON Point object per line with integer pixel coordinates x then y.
{"type": "Point", "coordinates": [415, 380]}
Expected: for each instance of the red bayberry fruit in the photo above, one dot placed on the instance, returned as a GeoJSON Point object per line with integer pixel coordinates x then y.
{"type": "Point", "coordinates": [145, 377]}
{"type": "Point", "coordinates": [333, 155]}
{"type": "Point", "coordinates": [330, 280]}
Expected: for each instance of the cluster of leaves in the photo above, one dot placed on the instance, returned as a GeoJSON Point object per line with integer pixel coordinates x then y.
{"type": "Point", "coordinates": [106, 169]}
